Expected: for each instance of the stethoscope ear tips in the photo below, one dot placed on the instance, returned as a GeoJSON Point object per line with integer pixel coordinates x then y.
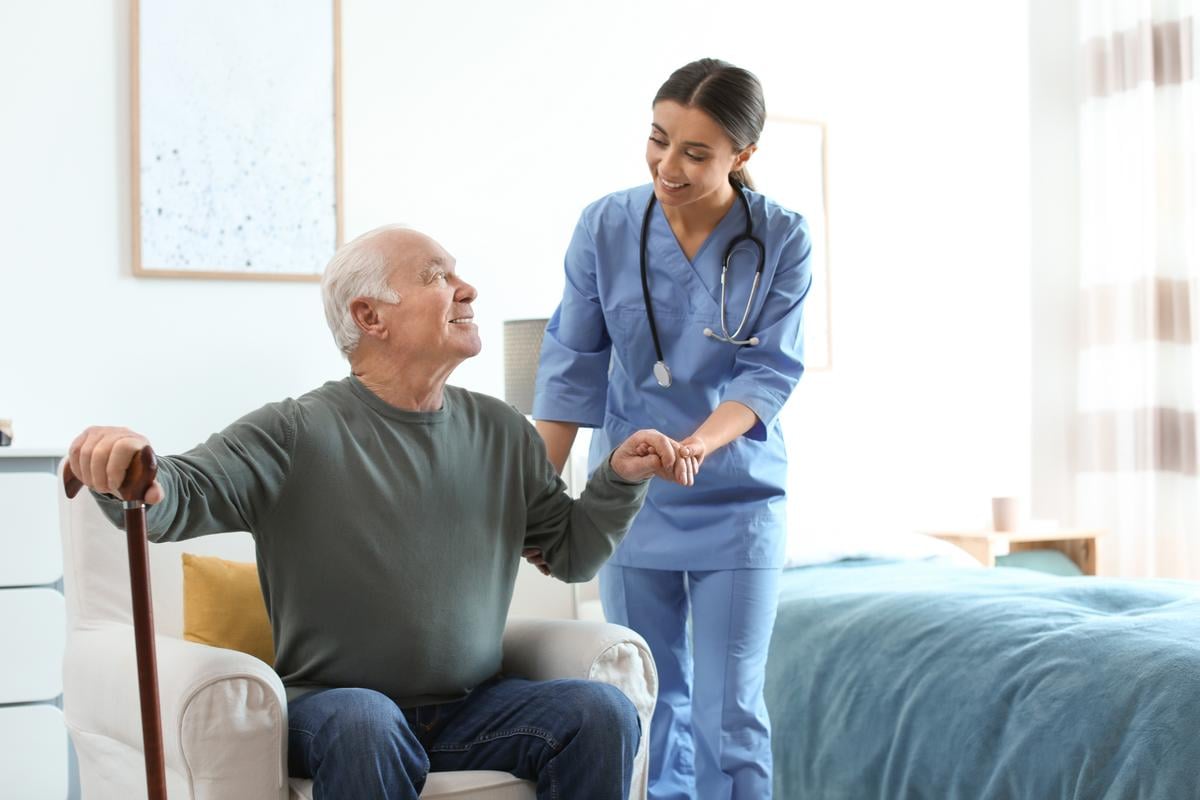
{"type": "Point", "coordinates": [753, 340]}
{"type": "Point", "coordinates": [708, 332]}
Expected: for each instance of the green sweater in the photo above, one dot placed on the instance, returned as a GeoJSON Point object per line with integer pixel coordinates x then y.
{"type": "Point", "coordinates": [389, 540]}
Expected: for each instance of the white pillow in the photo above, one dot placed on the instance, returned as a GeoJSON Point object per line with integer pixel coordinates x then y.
{"type": "Point", "coordinates": [809, 550]}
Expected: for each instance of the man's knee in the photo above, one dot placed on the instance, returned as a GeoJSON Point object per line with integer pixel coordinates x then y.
{"type": "Point", "coordinates": [605, 709]}
{"type": "Point", "coordinates": [368, 725]}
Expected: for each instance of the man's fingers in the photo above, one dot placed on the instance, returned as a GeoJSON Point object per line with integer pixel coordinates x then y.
{"type": "Point", "coordinates": [98, 463]}
{"type": "Point", "coordinates": [534, 556]}
{"type": "Point", "coordinates": [120, 456]}
{"type": "Point", "coordinates": [100, 458]}
{"type": "Point", "coordinates": [83, 469]}
{"type": "Point", "coordinates": [662, 446]}
{"type": "Point", "coordinates": [74, 455]}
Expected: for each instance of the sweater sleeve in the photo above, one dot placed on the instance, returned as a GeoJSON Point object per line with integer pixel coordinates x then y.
{"type": "Point", "coordinates": [228, 483]}
{"type": "Point", "coordinates": [576, 537]}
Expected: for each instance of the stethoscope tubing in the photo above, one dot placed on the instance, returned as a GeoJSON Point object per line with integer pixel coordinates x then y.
{"type": "Point", "coordinates": [662, 373]}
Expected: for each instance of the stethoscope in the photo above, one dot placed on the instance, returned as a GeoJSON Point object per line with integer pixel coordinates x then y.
{"type": "Point", "coordinates": [662, 372]}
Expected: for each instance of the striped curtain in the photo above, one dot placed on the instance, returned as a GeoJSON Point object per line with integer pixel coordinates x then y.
{"type": "Point", "coordinates": [1139, 369]}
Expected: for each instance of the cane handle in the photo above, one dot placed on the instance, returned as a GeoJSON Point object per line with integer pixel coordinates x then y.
{"type": "Point", "coordinates": [139, 477]}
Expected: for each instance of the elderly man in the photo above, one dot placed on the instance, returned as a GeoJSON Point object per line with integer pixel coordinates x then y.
{"type": "Point", "coordinates": [389, 512]}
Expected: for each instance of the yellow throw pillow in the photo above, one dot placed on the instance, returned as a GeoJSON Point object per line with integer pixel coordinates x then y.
{"type": "Point", "coordinates": [223, 606]}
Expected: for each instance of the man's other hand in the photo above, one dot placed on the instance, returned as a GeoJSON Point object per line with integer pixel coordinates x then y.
{"type": "Point", "coordinates": [643, 455]}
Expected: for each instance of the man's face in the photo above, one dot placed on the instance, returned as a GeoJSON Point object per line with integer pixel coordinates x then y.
{"type": "Point", "coordinates": [434, 319]}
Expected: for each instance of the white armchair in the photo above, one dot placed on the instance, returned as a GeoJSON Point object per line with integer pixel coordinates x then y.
{"type": "Point", "coordinates": [224, 712]}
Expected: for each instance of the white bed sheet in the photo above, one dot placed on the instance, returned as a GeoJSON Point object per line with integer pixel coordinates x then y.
{"type": "Point", "coordinates": [812, 550]}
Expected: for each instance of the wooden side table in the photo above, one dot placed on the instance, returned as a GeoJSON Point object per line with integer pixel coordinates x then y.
{"type": "Point", "coordinates": [1079, 545]}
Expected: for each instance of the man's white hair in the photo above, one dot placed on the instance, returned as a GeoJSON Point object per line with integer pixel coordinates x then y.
{"type": "Point", "coordinates": [359, 268]}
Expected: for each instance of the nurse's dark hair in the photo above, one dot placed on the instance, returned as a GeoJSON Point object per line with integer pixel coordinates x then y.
{"type": "Point", "coordinates": [730, 95]}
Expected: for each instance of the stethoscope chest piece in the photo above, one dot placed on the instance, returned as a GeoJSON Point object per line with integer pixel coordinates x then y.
{"type": "Point", "coordinates": [662, 374]}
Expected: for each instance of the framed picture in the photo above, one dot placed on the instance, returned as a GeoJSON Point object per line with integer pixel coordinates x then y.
{"type": "Point", "coordinates": [237, 161]}
{"type": "Point", "coordinates": [791, 166]}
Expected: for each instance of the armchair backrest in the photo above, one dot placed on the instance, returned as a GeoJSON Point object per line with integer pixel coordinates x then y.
{"type": "Point", "coordinates": [96, 568]}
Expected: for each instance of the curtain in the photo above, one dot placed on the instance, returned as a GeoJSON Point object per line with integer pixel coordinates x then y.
{"type": "Point", "coordinates": [1138, 369]}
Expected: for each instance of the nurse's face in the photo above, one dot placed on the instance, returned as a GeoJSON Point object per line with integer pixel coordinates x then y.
{"type": "Point", "coordinates": [690, 156]}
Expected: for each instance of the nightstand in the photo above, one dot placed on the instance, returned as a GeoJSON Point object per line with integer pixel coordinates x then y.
{"type": "Point", "coordinates": [1079, 545]}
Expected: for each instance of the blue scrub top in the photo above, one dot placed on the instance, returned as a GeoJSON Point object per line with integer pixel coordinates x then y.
{"type": "Point", "coordinates": [597, 359]}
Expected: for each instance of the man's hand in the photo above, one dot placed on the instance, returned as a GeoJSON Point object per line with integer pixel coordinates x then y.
{"type": "Point", "coordinates": [643, 455]}
{"type": "Point", "coordinates": [534, 556]}
{"type": "Point", "coordinates": [100, 457]}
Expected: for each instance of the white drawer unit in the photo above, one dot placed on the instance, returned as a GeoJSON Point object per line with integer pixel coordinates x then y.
{"type": "Point", "coordinates": [33, 629]}
{"type": "Point", "coordinates": [35, 761]}
{"type": "Point", "coordinates": [28, 512]}
{"type": "Point", "coordinates": [33, 752]}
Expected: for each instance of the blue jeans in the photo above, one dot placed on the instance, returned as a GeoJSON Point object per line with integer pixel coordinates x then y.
{"type": "Point", "coordinates": [575, 738]}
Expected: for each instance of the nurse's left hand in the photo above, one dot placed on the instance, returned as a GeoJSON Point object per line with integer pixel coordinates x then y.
{"type": "Point", "coordinates": [692, 451]}
{"type": "Point", "coordinates": [645, 454]}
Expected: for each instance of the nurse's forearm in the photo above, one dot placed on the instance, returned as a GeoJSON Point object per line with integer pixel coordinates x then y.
{"type": "Point", "coordinates": [558, 436]}
{"type": "Point", "coordinates": [730, 420]}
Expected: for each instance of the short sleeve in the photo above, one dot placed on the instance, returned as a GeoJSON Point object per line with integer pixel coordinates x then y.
{"type": "Point", "coordinates": [572, 377]}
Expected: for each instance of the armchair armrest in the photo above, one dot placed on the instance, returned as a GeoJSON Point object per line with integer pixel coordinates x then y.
{"type": "Point", "coordinates": [545, 649]}
{"type": "Point", "coordinates": [224, 712]}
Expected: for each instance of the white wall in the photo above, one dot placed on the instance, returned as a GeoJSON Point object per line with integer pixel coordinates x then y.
{"type": "Point", "coordinates": [490, 125]}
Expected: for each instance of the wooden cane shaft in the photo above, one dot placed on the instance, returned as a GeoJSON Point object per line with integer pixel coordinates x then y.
{"type": "Point", "coordinates": [143, 637]}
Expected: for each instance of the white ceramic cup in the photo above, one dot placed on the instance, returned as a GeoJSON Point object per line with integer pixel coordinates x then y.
{"type": "Point", "coordinates": [1006, 514]}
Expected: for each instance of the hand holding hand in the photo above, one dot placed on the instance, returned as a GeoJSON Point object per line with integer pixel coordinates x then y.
{"type": "Point", "coordinates": [645, 454]}
{"type": "Point", "coordinates": [100, 457]}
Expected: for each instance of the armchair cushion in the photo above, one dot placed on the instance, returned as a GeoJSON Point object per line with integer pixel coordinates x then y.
{"type": "Point", "coordinates": [223, 606]}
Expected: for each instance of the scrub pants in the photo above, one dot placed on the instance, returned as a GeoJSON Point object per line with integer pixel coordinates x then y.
{"type": "Point", "coordinates": [710, 736]}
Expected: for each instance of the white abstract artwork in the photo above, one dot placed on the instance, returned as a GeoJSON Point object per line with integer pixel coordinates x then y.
{"type": "Point", "coordinates": [790, 167]}
{"type": "Point", "coordinates": [236, 138]}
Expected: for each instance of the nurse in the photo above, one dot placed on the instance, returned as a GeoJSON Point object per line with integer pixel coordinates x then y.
{"type": "Point", "coordinates": [650, 335]}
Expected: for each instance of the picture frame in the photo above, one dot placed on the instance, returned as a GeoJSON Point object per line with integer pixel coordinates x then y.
{"type": "Point", "coordinates": [792, 167]}
{"type": "Point", "coordinates": [236, 138]}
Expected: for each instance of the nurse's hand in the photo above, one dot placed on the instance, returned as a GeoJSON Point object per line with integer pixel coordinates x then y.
{"type": "Point", "coordinates": [645, 454]}
{"type": "Point", "coordinates": [691, 455]}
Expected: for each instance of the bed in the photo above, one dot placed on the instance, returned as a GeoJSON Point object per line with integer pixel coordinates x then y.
{"type": "Point", "coordinates": [929, 678]}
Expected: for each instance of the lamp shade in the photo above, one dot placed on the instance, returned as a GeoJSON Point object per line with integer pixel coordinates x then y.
{"type": "Point", "coordinates": [522, 348]}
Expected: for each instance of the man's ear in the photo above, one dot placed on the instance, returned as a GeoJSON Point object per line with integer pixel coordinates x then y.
{"type": "Point", "coordinates": [366, 317]}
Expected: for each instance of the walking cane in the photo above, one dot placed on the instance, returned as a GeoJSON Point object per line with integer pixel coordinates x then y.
{"type": "Point", "coordinates": [138, 480]}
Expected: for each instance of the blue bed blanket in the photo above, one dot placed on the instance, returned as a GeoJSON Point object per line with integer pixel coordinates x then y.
{"type": "Point", "coordinates": [919, 680]}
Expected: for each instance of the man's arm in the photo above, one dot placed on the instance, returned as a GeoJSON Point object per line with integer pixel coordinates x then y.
{"type": "Point", "coordinates": [228, 483]}
{"type": "Point", "coordinates": [576, 537]}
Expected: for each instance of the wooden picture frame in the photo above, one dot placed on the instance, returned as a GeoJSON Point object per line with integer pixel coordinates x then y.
{"type": "Point", "coordinates": [792, 167]}
{"type": "Point", "coordinates": [236, 138]}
